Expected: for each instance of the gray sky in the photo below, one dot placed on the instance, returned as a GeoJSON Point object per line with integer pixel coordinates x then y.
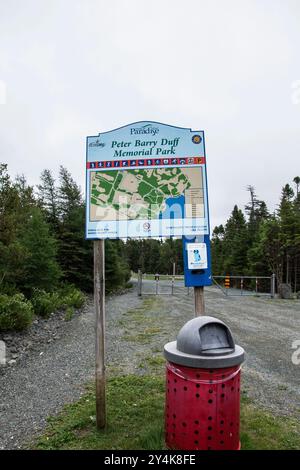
{"type": "Point", "coordinates": [72, 68]}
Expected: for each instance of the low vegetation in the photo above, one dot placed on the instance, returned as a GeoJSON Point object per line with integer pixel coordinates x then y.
{"type": "Point", "coordinates": [16, 313]}
{"type": "Point", "coordinates": [136, 418]}
{"type": "Point", "coordinates": [45, 260]}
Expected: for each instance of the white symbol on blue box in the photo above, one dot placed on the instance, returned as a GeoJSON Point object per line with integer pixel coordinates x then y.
{"type": "Point", "coordinates": [197, 257]}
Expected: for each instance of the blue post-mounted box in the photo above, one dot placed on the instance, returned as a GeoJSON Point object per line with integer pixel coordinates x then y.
{"type": "Point", "coordinates": [197, 261]}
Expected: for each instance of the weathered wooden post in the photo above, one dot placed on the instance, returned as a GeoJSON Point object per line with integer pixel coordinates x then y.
{"type": "Point", "coordinates": [199, 301]}
{"type": "Point", "coordinates": [99, 299]}
{"type": "Point", "coordinates": [106, 216]}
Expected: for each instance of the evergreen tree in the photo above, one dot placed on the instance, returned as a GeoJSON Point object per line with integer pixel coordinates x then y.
{"type": "Point", "coordinates": [235, 243]}
{"type": "Point", "coordinates": [217, 250]}
{"type": "Point", "coordinates": [288, 228]}
{"type": "Point", "coordinates": [75, 253]}
{"type": "Point", "coordinates": [132, 249]}
{"type": "Point", "coordinates": [69, 193]}
{"type": "Point", "coordinates": [266, 254]}
{"type": "Point", "coordinates": [10, 208]}
{"type": "Point", "coordinates": [48, 198]}
{"type": "Point", "coordinates": [166, 257]}
{"type": "Point", "coordinates": [116, 269]}
{"type": "Point", "coordinates": [40, 268]}
{"type": "Point", "coordinates": [257, 212]}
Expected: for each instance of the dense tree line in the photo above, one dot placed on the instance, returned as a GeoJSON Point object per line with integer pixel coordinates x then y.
{"type": "Point", "coordinates": [155, 256]}
{"type": "Point", "coordinates": [252, 242]}
{"type": "Point", "coordinates": [42, 243]}
{"type": "Point", "coordinates": [260, 243]}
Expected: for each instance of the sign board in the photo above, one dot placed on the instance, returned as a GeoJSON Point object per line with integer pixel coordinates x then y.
{"type": "Point", "coordinates": [146, 179]}
{"type": "Point", "coordinates": [197, 255]}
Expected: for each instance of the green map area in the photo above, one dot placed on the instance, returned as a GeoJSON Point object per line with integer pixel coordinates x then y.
{"type": "Point", "coordinates": [137, 193]}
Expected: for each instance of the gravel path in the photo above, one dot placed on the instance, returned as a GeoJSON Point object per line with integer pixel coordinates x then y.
{"type": "Point", "coordinates": [54, 372]}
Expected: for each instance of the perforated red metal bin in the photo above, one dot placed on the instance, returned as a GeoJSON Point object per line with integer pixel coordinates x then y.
{"type": "Point", "coordinates": [203, 387]}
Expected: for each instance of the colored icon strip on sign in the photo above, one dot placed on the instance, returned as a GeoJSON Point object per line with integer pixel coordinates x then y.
{"type": "Point", "coordinates": [147, 162]}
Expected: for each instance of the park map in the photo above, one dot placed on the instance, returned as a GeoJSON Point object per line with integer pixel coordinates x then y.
{"type": "Point", "coordinates": [142, 193]}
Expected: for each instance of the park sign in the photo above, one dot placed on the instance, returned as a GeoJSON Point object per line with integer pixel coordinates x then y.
{"type": "Point", "coordinates": [146, 179]}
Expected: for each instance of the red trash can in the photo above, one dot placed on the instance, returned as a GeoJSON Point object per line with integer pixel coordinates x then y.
{"type": "Point", "coordinates": [203, 387]}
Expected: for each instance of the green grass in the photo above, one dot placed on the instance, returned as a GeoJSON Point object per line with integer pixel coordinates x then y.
{"type": "Point", "coordinates": [143, 328]}
{"type": "Point", "coordinates": [262, 430]}
{"type": "Point", "coordinates": [135, 409]}
{"type": "Point", "coordinates": [135, 417]}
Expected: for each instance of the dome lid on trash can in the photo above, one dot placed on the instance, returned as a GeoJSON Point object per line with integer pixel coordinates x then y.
{"type": "Point", "coordinates": [204, 342]}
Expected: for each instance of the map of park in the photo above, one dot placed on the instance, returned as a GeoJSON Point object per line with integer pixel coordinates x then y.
{"type": "Point", "coordinates": [142, 193]}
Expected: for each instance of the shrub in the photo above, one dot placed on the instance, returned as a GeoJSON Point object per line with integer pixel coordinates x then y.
{"type": "Point", "coordinates": [44, 302]}
{"type": "Point", "coordinates": [69, 296]}
{"type": "Point", "coordinates": [16, 313]}
{"type": "Point", "coordinates": [69, 313]}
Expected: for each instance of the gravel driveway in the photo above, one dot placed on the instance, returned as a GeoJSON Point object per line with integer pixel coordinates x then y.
{"type": "Point", "coordinates": [38, 385]}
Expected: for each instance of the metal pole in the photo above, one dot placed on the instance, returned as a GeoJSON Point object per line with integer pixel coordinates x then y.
{"type": "Point", "coordinates": [99, 299]}
{"type": "Point", "coordinates": [273, 286]}
{"type": "Point", "coordinates": [139, 282]}
{"type": "Point", "coordinates": [173, 279]}
{"type": "Point", "coordinates": [199, 301]}
{"type": "Point", "coordinates": [156, 286]}
{"type": "Point", "coordinates": [295, 275]}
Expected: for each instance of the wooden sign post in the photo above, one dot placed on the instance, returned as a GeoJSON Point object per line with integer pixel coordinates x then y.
{"type": "Point", "coordinates": [118, 166]}
{"type": "Point", "coordinates": [99, 299]}
{"type": "Point", "coordinates": [199, 301]}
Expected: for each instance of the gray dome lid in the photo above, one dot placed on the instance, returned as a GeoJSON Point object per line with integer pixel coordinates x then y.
{"type": "Point", "coordinates": [204, 342]}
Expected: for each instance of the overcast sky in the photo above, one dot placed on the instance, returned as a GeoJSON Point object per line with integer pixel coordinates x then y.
{"type": "Point", "coordinates": [72, 68]}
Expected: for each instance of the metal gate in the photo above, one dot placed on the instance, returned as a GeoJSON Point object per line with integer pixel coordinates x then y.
{"type": "Point", "coordinates": [164, 284]}
{"type": "Point", "coordinates": [229, 285]}
{"type": "Point", "coordinates": [246, 285]}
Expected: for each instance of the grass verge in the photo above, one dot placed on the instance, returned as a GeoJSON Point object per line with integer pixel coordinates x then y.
{"type": "Point", "coordinates": [135, 408]}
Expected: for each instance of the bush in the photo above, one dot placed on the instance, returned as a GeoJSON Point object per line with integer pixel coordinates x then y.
{"type": "Point", "coordinates": [69, 296]}
{"type": "Point", "coordinates": [16, 313]}
{"type": "Point", "coordinates": [44, 302]}
{"type": "Point", "coordinates": [69, 313]}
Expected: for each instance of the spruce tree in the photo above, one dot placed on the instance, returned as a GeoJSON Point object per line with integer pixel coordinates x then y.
{"type": "Point", "coordinates": [48, 198]}
{"type": "Point", "coordinates": [40, 268]}
{"type": "Point", "coordinates": [235, 243]}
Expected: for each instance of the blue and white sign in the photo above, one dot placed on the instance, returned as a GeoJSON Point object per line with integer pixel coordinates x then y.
{"type": "Point", "coordinates": [146, 179]}
{"type": "Point", "coordinates": [197, 255]}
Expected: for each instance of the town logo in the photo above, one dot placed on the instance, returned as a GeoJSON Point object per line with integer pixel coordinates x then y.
{"type": "Point", "coordinates": [146, 129]}
{"type": "Point", "coordinates": [97, 143]}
